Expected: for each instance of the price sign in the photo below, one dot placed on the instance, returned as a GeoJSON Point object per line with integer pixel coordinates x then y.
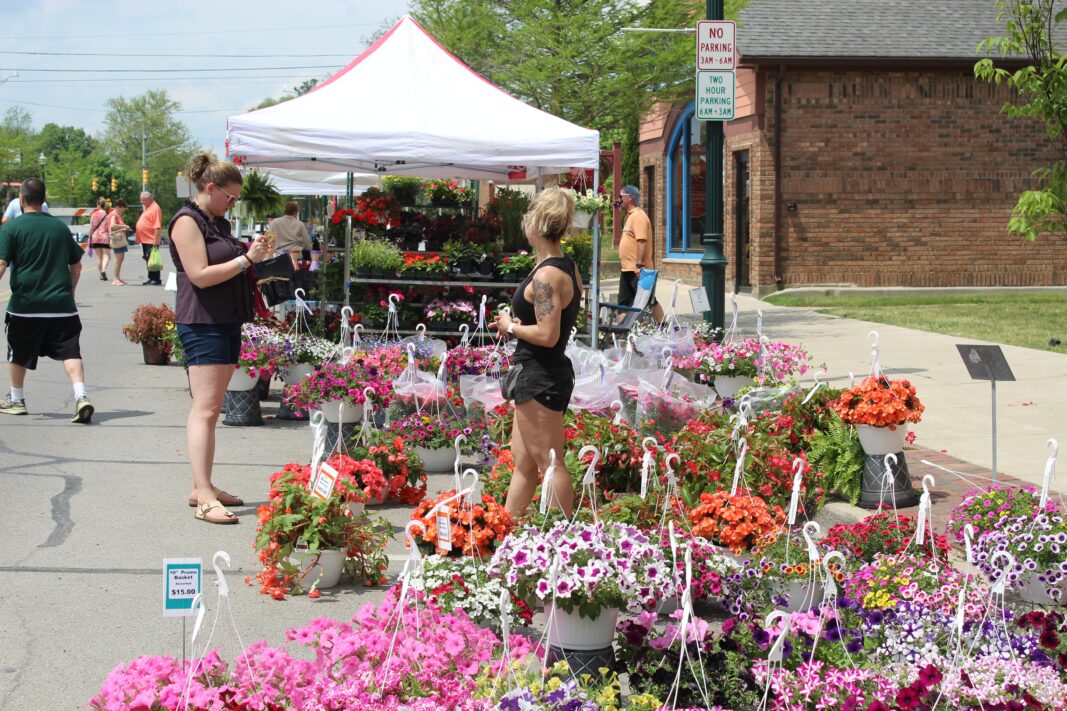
{"type": "Point", "coordinates": [699, 299]}
{"type": "Point", "coordinates": [444, 528]}
{"type": "Point", "coordinates": [324, 482]}
{"type": "Point", "coordinates": [181, 583]}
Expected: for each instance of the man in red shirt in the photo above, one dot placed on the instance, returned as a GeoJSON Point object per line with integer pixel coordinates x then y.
{"type": "Point", "coordinates": [149, 232]}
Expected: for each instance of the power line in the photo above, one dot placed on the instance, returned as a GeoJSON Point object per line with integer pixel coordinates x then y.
{"type": "Point", "coordinates": [169, 71]}
{"type": "Point", "coordinates": [189, 56]}
{"type": "Point", "coordinates": [87, 108]}
{"type": "Point", "coordinates": [197, 32]}
{"type": "Point", "coordinates": [244, 77]}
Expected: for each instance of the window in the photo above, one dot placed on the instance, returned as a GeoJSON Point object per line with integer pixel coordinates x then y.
{"type": "Point", "coordinates": [686, 173]}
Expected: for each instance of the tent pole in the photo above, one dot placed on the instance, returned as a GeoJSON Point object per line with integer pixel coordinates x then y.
{"type": "Point", "coordinates": [348, 260]}
{"type": "Point", "coordinates": [594, 311]}
{"type": "Point", "coordinates": [540, 186]}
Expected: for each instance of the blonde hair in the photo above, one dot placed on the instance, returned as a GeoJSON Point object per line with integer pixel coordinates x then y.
{"type": "Point", "coordinates": [550, 214]}
{"type": "Point", "coordinates": [205, 168]}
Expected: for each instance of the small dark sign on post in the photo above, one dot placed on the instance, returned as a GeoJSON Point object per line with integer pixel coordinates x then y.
{"type": "Point", "coordinates": [987, 363]}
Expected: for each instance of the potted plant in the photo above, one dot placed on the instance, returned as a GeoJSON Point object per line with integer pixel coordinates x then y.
{"type": "Point", "coordinates": [988, 508]}
{"type": "Point", "coordinates": [337, 390]}
{"type": "Point", "coordinates": [404, 189]}
{"type": "Point", "coordinates": [586, 206]}
{"type": "Point", "coordinates": [515, 267]}
{"type": "Point", "coordinates": [735, 522]}
{"type": "Point", "coordinates": [1038, 543]}
{"type": "Point", "coordinates": [151, 328]}
{"type": "Point", "coordinates": [305, 542]}
{"type": "Point", "coordinates": [509, 205]}
{"type": "Point", "coordinates": [883, 532]}
{"type": "Point", "coordinates": [448, 193]}
{"type": "Point", "coordinates": [304, 353]}
{"type": "Point", "coordinates": [462, 255]}
{"type": "Point", "coordinates": [401, 468]}
{"type": "Point", "coordinates": [464, 584]}
{"type": "Point", "coordinates": [423, 266]}
{"type": "Point", "coordinates": [432, 437]}
{"type": "Point", "coordinates": [478, 527]}
{"type": "Point", "coordinates": [585, 573]}
{"type": "Point", "coordinates": [880, 410]}
{"type": "Point", "coordinates": [376, 258]}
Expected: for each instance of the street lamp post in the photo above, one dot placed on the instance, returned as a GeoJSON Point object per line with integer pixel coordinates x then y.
{"type": "Point", "coordinates": [42, 159]}
{"type": "Point", "coordinates": [713, 263]}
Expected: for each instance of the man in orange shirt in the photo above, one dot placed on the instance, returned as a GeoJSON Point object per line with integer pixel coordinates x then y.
{"type": "Point", "coordinates": [150, 232]}
{"type": "Point", "coordinates": [635, 248]}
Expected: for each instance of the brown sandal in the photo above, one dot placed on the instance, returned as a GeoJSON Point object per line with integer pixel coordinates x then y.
{"type": "Point", "coordinates": [202, 513]}
{"type": "Point", "coordinates": [223, 498]}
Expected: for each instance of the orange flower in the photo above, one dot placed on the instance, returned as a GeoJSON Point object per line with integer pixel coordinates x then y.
{"type": "Point", "coordinates": [879, 402]}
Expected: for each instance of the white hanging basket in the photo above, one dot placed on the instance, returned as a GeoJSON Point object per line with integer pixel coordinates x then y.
{"type": "Point", "coordinates": [327, 571]}
{"type": "Point", "coordinates": [241, 381]}
{"type": "Point", "coordinates": [295, 373]}
{"type": "Point", "coordinates": [1034, 592]}
{"type": "Point", "coordinates": [436, 460]}
{"type": "Point", "coordinates": [729, 385]}
{"type": "Point", "coordinates": [882, 440]}
{"type": "Point", "coordinates": [568, 630]}
{"type": "Point", "coordinates": [582, 220]}
{"type": "Point", "coordinates": [338, 411]}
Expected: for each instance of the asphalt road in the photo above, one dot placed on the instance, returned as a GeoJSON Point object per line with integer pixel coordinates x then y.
{"type": "Point", "coordinates": [91, 511]}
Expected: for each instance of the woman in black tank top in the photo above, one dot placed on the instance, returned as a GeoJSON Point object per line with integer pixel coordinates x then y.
{"type": "Point", "coordinates": [541, 379]}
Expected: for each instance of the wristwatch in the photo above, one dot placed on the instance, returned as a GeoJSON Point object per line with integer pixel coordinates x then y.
{"type": "Point", "coordinates": [511, 329]}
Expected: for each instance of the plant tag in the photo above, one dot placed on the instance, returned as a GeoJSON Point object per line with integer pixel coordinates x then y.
{"type": "Point", "coordinates": [325, 478]}
{"type": "Point", "coordinates": [444, 528]}
{"type": "Point", "coordinates": [483, 257]}
{"type": "Point", "coordinates": [699, 299]}
{"type": "Point", "coordinates": [422, 246]}
{"type": "Point", "coordinates": [182, 578]}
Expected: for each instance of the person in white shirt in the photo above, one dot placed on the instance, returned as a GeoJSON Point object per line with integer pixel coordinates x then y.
{"type": "Point", "coordinates": [14, 209]}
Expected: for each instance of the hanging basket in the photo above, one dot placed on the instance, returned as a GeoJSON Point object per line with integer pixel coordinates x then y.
{"type": "Point", "coordinates": [295, 373]}
{"type": "Point", "coordinates": [569, 630]}
{"type": "Point", "coordinates": [327, 570]}
{"type": "Point", "coordinates": [436, 460]}
{"type": "Point", "coordinates": [342, 411]}
{"type": "Point", "coordinates": [581, 220]}
{"type": "Point", "coordinates": [1035, 591]}
{"type": "Point", "coordinates": [241, 381]}
{"type": "Point", "coordinates": [798, 595]}
{"type": "Point", "coordinates": [882, 440]}
{"type": "Point", "coordinates": [729, 385]}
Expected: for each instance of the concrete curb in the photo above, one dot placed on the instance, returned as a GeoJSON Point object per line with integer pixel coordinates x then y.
{"type": "Point", "coordinates": [847, 290]}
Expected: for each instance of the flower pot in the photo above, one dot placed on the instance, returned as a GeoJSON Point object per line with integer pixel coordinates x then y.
{"type": "Point", "coordinates": [436, 460]}
{"type": "Point", "coordinates": [241, 381]}
{"type": "Point", "coordinates": [486, 267]}
{"type": "Point", "coordinates": [1033, 590]}
{"type": "Point", "coordinates": [327, 570]}
{"type": "Point", "coordinates": [882, 440]}
{"type": "Point", "coordinates": [798, 595]}
{"type": "Point", "coordinates": [295, 373]}
{"type": "Point", "coordinates": [363, 273]}
{"type": "Point", "coordinates": [668, 605]}
{"type": "Point", "coordinates": [875, 491]}
{"type": "Point", "coordinates": [341, 411]}
{"type": "Point", "coordinates": [729, 385]}
{"type": "Point", "coordinates": [568, 630]}
{"type": "Point", "coordinates": [465, 265]}
{"type": "Point", "coordinates": [582, 220]}
{"type": "Point", "coordinates": [241, 409]}
{"type": "Point", "coordinates": [155, 353]}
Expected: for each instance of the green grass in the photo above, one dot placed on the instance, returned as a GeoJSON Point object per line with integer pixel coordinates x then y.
{"type": "Point", "coordinates": [1027, 320]}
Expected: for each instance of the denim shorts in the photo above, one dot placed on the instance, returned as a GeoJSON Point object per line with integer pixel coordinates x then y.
{"type": "Point", "coordinates": [210, 344]}
{"type": "Point", "coordinates": [120, 250]}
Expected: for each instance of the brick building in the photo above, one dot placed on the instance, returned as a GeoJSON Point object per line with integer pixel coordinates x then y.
{"type": "Point", "coordinates": [863, 152]}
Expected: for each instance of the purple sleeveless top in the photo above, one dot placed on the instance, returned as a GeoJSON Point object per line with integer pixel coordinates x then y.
{"type": "Point", "coordinates": [227, 303]}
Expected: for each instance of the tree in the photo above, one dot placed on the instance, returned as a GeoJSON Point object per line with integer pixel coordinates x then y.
{"type": "Point", "coordinates": [1041, 93]}
{"type": "Point", "coordinates": [152, 112]}
{"type": "Point", "coordinates": [298, 90]}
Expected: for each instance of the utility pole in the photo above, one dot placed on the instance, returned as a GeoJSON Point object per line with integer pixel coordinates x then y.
{"type": "Point", "coordinates": [144, 159]}
{"type": "Point", "coordinates": [713, 263]}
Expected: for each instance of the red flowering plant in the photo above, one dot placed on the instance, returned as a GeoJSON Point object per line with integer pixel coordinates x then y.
{"type": "Point", "coordinates": [735, 522]}
{"type": "Point", "coordinates": [881, 533]}
{"type": "Point", "coordinates": [422, 263]}
{"type": "Point", "coordinates": [347, 381]}
{"type": "Point", "coordinates": [294, 521]}
{"type": "Point", "coordinates": [619, 468]}
{"type": "Point", "coordinates": [401, 468]}
{"type": "Point", "coordinates": [477, 527]}
{"type": "Point", "coordinates": [879, 402]}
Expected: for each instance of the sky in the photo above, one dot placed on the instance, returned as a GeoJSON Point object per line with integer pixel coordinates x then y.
{"type": "Point", "coordinates": [200, 32]}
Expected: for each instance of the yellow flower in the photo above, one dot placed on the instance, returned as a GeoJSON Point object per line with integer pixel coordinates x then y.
{"type": "Point", "coordinates": [554, 683]}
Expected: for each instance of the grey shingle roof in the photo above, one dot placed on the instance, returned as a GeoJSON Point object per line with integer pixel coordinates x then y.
{"type": "Point", "coordinates": [907, 29]}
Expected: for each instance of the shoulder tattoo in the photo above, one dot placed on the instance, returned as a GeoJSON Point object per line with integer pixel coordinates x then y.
{"type": "Point", "coordinates": [542, 299]}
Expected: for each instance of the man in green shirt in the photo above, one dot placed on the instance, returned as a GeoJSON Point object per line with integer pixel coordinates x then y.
{"type": "Point", "coordinates": [42, 319]}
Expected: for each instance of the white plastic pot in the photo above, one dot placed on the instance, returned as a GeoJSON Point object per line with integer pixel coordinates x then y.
{"type": "Point", "coordinates": [882, 440]}
{"type": "Point", "coordinates": [327, 570]}
{"type": "Point", "coordinates": [295, 373]}
{"type": "Point", "coordinates": [336, 411]}
{"type": "Point", "coordinates": [568, 630]}
{"type": "Point", "coordinates": [436, 460]}
{"type": "Point", "coordinates": [1033, 591]}
{"type": "Point", "coordinates": [241, 381]}
{"type": "Point", "coordinates": [728, 385]}
{"type": "Point", "coordinates": [582, 220]}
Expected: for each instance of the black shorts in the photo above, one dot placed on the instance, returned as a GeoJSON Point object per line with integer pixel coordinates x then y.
{"type": "Point", "coordinates": [628, 289]}
{"type": "Point", "coordinates": [210, 344]}
{"type": "Point", "coordinates": [530, 380]}
{"type": "Point", "coordinates": [30, 337]}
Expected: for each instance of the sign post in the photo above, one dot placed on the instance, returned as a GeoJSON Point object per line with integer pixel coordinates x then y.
{"type": "Point", "coordinates": [182, 579]}
{"type": "Point", "coordinates": [987, 363]}
{"type": "Point", "coordinates": [716, 88]}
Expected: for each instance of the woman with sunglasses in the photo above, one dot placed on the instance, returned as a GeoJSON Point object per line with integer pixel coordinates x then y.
{"type": "Point", "coordinates": [214, 300]}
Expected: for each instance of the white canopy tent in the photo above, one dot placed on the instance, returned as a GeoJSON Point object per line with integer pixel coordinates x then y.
{"type": "Point", "coordinates": [310, 182]}
{"type": "Point", "coordinates": [406, 106]}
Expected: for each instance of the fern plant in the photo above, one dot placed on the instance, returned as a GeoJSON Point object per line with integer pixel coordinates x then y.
{"type": "Point", "coordinates": [837, 452]}
{"type": "Point", "coordinates": [259, 196]}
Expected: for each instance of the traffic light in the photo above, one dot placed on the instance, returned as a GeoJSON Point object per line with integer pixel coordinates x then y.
{"type": "Point", "coordinates": [96, 185]}
{"type": "Point", "coordinates": [144, 177]}
{"type": "Point", "coordinates": [114, 185]}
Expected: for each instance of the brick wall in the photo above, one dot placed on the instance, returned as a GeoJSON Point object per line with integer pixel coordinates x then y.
{"type": "Point", "coordinates": [900, 179]}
